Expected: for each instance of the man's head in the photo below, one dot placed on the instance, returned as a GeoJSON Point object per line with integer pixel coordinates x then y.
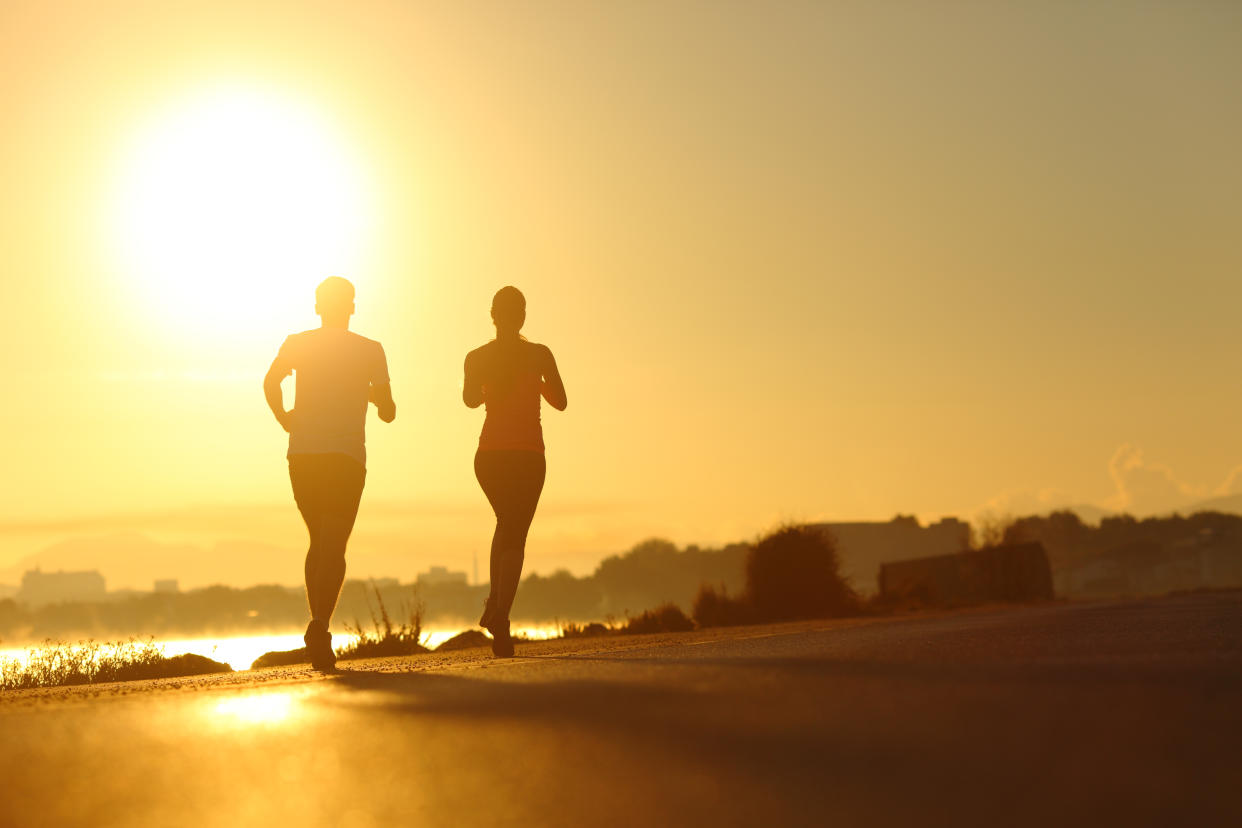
{"type": "Point", "coordinates": [334, 301]}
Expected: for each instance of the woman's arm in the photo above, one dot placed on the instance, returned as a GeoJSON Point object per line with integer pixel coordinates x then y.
{"type": "Point", "coordinates": [552, 387]}
{"type": "Point", "coordinates": [472, 386]}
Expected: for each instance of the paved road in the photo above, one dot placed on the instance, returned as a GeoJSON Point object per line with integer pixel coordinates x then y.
{"type": "Point", "coordinates": [1110, 714]}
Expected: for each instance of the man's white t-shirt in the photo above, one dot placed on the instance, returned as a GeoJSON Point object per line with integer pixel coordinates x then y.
{"type": "Point", "coordinates": [334, 370]}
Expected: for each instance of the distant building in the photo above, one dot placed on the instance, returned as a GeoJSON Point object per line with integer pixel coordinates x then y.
{"type": "Point", "coordinates": [7, 591]}
{"type": "Point", "coordinates": [1152, 567]}
{"type": "Point", "coordinates": [167, 585]}
{"type": "Point", "coordinates": [862, 547]}
{"type": "Point", "coordinates": [1019, 572]}
{"type": "Point", "coordinates": [39, 588]}
{"type": "Point", "coordinates": [441, 575]}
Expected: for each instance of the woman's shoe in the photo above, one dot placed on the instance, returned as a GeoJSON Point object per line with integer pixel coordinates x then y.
{"type": "Point", "coordinates": [319, 648]}
{"type": "Point", "coordinates": [502, 642]}
{"type": "Point", "coordinates": [485, 620]}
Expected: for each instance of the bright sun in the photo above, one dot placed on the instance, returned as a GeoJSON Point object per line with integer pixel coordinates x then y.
{"type": "Point", "coordinates": [232, 205]}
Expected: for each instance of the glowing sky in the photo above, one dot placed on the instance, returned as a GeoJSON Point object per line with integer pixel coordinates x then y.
{"type": "Point", "coordinates": [796, 261]}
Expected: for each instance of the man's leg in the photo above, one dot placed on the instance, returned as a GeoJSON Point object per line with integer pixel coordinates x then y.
{"type": "Point", "coordinates": [342, 482]}
{"type": "Point", "coordinates": [325, 565]}
{"type": "Point", "coordinates": [328, 489]}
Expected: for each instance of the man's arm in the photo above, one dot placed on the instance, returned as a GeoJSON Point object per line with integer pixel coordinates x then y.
{"type": "Point", "coordinates": [275, 397]}
{"type": "Point", "coordinates": [381, 395]}
{"type": "Point", "coordinates": [380, 391]}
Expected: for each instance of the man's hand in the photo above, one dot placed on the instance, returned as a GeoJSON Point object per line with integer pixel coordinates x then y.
{"type": "Point", "coordinates": [275, 399]}
{"type": "Point", "coordinates": [381, 396]}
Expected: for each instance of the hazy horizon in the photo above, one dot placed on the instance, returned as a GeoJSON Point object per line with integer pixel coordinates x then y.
{"type": "Point", "coordinates": [130, 558]}
{"type": "Point", "coordinates": [805, 261]}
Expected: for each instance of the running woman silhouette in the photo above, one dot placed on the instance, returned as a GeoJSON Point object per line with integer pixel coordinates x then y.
{"type": "Point", "coordinates": [508, 375]}
{"type": "Point", "coordinates": [337, 373]}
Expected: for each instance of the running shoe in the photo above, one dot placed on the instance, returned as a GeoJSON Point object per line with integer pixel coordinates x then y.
{"type": "Point", "coordinates": [502, 642]}
{"type": "Point", "coordinates": [319, 648]}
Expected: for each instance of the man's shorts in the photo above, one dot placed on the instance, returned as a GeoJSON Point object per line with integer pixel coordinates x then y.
{"type": "Point", "coordinates": [327, 486]}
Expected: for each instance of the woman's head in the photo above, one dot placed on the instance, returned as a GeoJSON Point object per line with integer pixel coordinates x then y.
{"type": "Point", "coordinates": [508, 310]}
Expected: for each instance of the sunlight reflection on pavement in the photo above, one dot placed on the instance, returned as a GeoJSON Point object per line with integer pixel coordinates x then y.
{"type": "Point", "coordinates": [272, 708]}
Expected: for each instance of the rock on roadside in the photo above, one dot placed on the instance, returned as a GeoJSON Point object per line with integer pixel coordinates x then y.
{"type": "Point", "coordinates": [281, 658]}
{"type": "Point", "coordinates": [189, 664]}
{"type": "Point", "coordinates": [464, 641]}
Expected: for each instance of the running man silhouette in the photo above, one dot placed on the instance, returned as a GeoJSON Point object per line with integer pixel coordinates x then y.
{"type": "Point", "coordinates": [509, 375]}
{"type": "Point", "coordinates": [337, 374]}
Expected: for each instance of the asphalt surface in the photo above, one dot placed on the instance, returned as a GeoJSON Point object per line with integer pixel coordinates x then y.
{"type": "Point", "coordinates": [1126, 713]}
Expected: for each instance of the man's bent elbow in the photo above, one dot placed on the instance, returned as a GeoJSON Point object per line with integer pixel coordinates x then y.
{"type": "Point", "coordinates": [271, 381]}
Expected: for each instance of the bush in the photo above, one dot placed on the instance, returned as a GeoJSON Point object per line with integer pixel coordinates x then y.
{"type": "Point", "coordinates": [594, 629]}
{"type": "Point", "coordinates": [794, 573]}
{"type": "Point", "coordinates": [719, 609]}
{"type": "Point", "coordinates": [664, 618]}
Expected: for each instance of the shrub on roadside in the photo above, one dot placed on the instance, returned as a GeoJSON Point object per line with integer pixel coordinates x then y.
{"type": "Point", "coordinates": [664, 618]}
{"type": "Point", "coordinates": [791, 573]}
{"type": "Point", "coordinates": [794, 573]}
{"type": "Point", "coordinates": [593, 629]}
{"type": "Point", "coordinates": [720, 609]}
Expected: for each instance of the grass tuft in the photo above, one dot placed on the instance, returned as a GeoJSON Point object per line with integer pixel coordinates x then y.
{"type": "Point", "coordinates": [386, 638]}
{"type": "Point", "coordinates": [57, 664]}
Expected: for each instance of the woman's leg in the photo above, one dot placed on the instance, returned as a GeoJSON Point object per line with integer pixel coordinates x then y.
{"type": "Point", "coordinates": [528, 477]}
{"type": "Point", "coordinates": [512, 481]}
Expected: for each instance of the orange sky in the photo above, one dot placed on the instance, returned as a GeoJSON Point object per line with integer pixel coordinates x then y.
{"type": "Point", "coordinates": [796, 261]}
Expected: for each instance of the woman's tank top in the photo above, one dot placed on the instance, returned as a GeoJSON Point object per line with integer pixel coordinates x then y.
{"type": "Point", "coordinates": [512, 422]}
